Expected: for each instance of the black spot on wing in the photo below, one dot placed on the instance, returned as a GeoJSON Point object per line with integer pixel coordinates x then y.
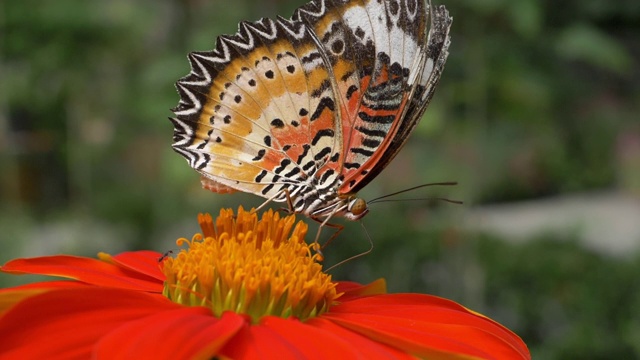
{"type": "Point", "coordinates": [347, 75]}
{"type": "Point", "coordinates": [283, 164]}
{"type": "Point", "coordinates": [320, 134]}
{"type": "Point", "coordinates": [394, 7]}
{"type": "Point", "coordinates": [337, 46]}
{"type": "Point", "coordinates": [327, 103]}
{"type": "Point", "coordinates": [308, 165]}
{"type": "Point", "coordinates": [207, 158]}
{"type": "Point", "coordinates": [266, 190]}
{"type": "Point", "coordinates": [305, 151]}
{"type": "Point", "coordinates": [277, 123]}
{"type": "Point", "coordinates": [311, 57]}
{"type": "Point", "coordinates": [293, 171]}
{"type": "Point", "coordinates": [261, 176]}
{"type": "Point", "coordinates": [326, 175]}
{"type": "Point", "coordinates": [376, 119]}
{"type": "Point", "coordinates": [326, 84]}
{"type": "Point", "coordinates": [260, 155]}
{"type": "Point", "coordinates": [350, 91]}
{"type": "Point", "coordinates": [371, 132]}
{"type": "Point", "coordinates": [371, 143]}
{"type": "Point", "coordinates": [362, 151]}
{"type": "Point", "coordinates": [396, 69]}
{"type": "Point", "coordinates": [324, 152]}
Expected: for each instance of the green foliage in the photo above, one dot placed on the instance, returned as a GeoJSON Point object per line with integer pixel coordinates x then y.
{"type": "Point", "coordinates": [569, 301]}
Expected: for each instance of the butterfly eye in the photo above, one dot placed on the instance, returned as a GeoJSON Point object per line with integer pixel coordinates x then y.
{"type": "Point", "coordinates": [358, 206]}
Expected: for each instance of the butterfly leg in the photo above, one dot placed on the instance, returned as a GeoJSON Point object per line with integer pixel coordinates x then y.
{"type": "Point", "coordinates": [323, 223]}
{"type": "Point", "coordinates": [338, 228]}
{"type": "Point", "coordinates": [289, 210]}
{"type": "Point", "coordinates": [316, 244]}
{"type": "Point", "coordinates": [354, 256]}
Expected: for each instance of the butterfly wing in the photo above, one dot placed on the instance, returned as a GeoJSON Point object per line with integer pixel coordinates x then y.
{"type": "Point", "coordinates": [320, 102]}
{"type": "Point", "coordinates": [408, 58]}
{"type": "Point", "coordinates": [257, 114]}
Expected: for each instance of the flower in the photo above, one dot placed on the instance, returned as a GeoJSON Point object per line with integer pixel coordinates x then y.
{"type": "Point", "coordinates": [244, 289]}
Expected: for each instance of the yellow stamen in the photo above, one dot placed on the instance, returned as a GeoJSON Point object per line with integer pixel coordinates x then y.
{"type": "Point", "coordinates": [251, 267]}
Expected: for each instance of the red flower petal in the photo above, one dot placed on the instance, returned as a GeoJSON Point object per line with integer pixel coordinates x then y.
{"type": "Point", "coordinates": [427, 326]}
{"type": "Point", "coordinates": [46, 285]}
{"type": "Point", "coordinates": [369, 349]}
{"type": "Point", "coordinates": [289, 339]}
{"type": "Point", "coordinates": [381, 302]}
{"type": "Point", "coordinates": [430, 309]}
{"type": "Point", "coordinates": [184, 333]}
{"type": "Point", "coordinates": [69, 322]}
{"type": "Point", "coordinates": [13, 295]}
{"type": "Point", "coordinates": [259, 342]}
{"type": "Point", "coordinates": [353, 289]}
{"type": "Point", "coordinates": [143, 261]}
{"type": "Point", "coordinates": [83, 269]}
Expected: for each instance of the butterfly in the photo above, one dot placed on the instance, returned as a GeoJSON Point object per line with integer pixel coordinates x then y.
{"type": "Point", "coordinates": [309, 110]}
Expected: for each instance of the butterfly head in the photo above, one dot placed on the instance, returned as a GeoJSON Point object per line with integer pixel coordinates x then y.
{"type": "Point", "coordinates": [356, 208]}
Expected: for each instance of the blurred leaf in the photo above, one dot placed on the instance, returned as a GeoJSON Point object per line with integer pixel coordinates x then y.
{"type": "Point", "coordinates": [526, 16]}
{"type": "Point", "coordinates": [484, 6]}
{"type": "Point", "coordinates": [584, 42]}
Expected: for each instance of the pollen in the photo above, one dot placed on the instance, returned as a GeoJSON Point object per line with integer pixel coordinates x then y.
{"type": "Point", "coordinates": [250, 266]}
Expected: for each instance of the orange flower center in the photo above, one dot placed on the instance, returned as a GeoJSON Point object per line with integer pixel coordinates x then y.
{"type": "Point", "coordinates": [251, 267]}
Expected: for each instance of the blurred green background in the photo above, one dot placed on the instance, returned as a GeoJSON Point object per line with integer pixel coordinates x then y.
{"type": "Point", "coordinates": [536, 116]}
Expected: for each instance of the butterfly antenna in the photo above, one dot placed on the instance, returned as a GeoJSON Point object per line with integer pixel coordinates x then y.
{"type": "Point", "coordinates": [358, 255]}
{"type": "Point", "coordinates": [457, 202]}
{"type": "Point", "coordinates": [446, 183]}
